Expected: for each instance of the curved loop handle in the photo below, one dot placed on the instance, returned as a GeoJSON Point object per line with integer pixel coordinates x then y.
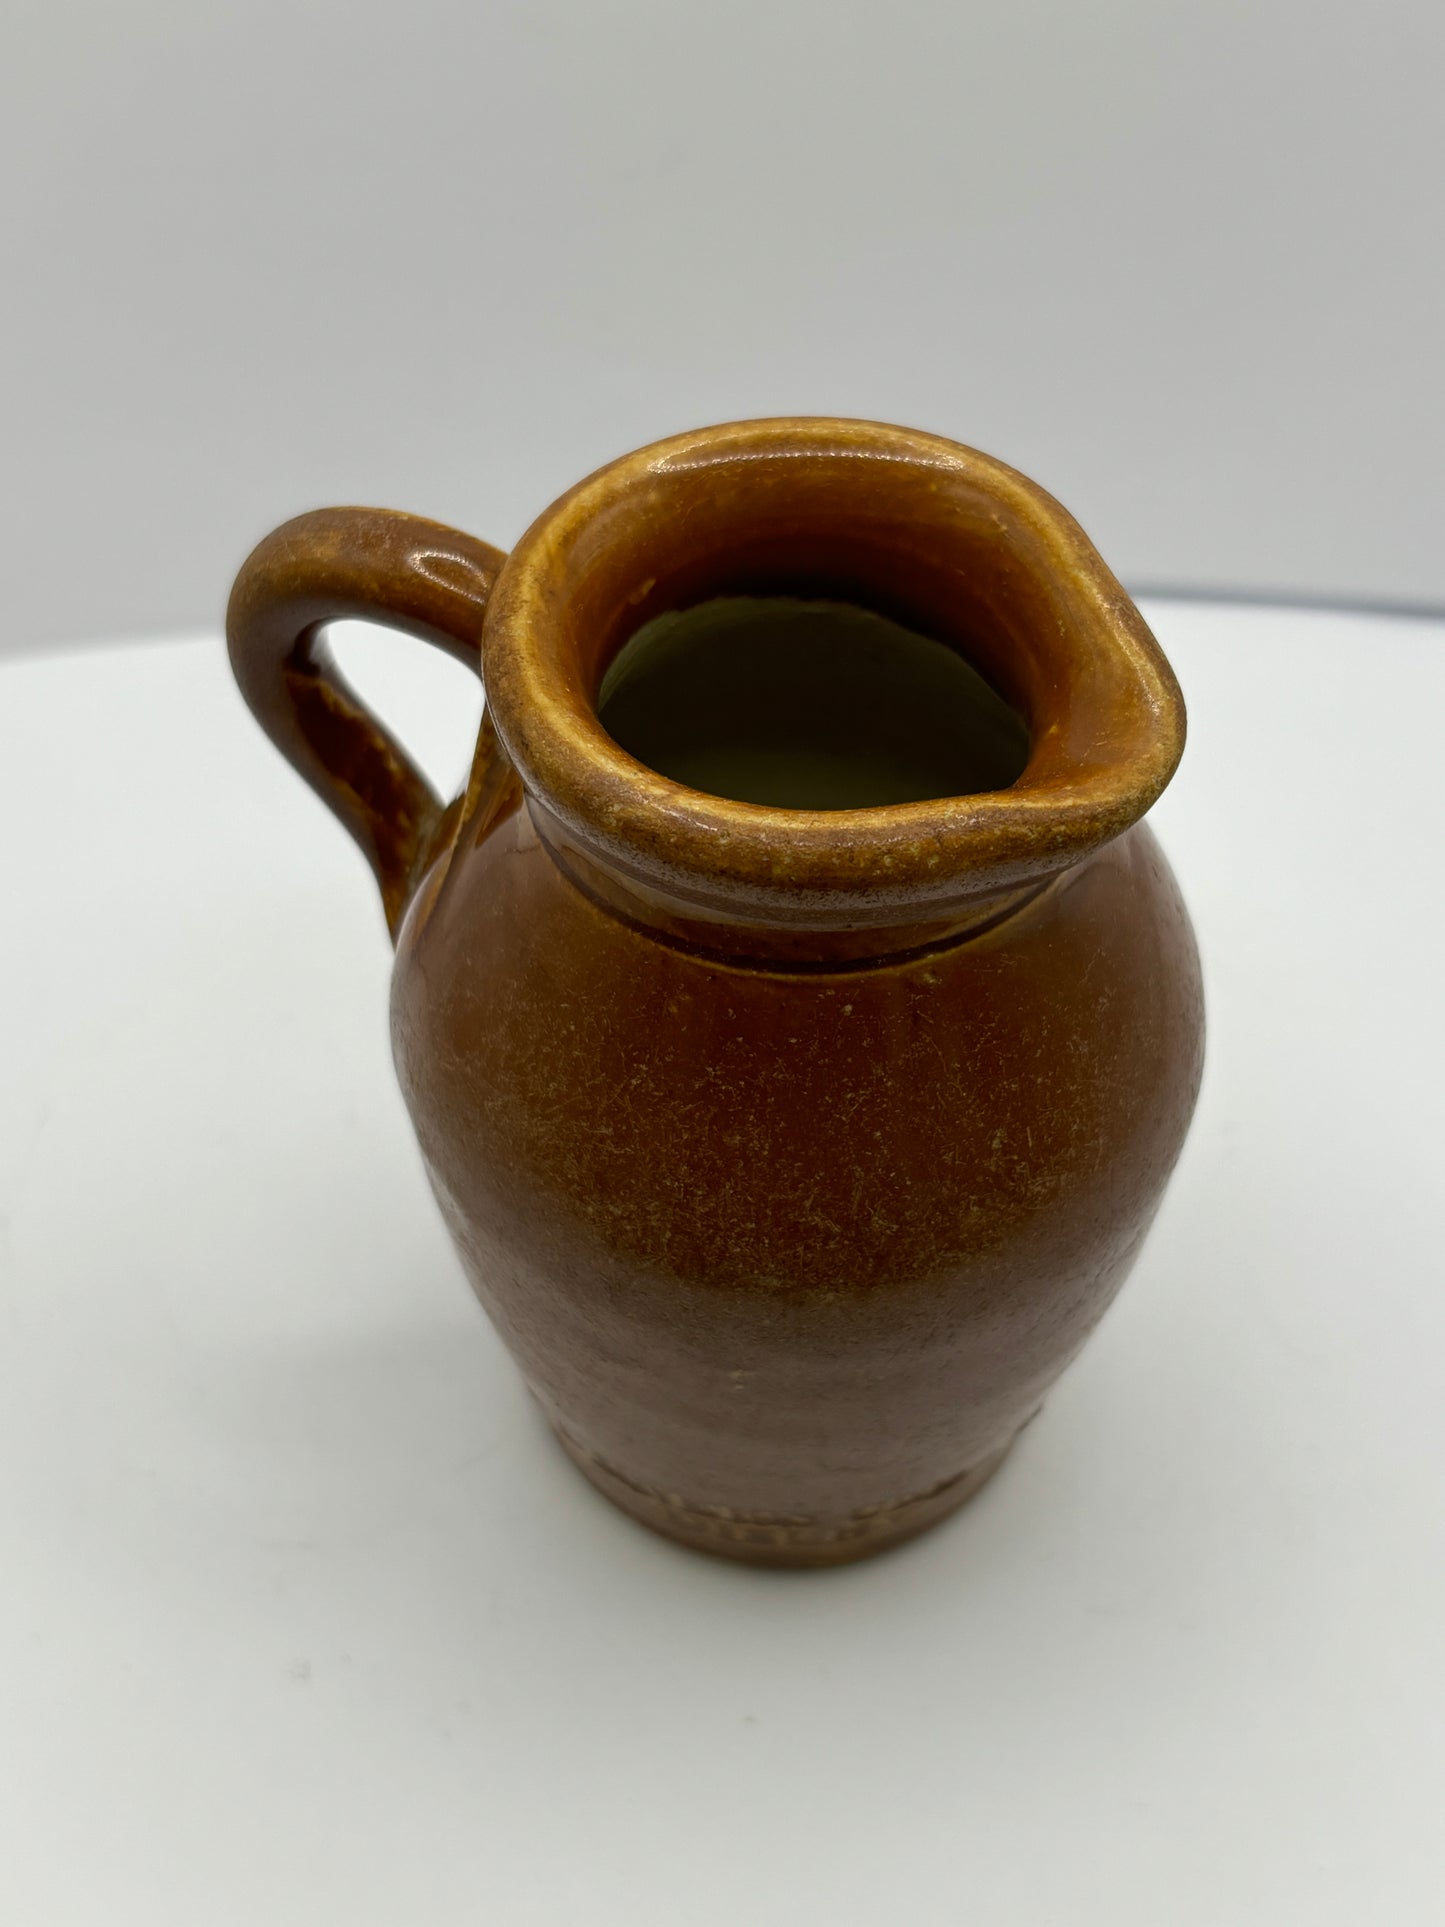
{"type": "Point", "coordinates": [401, 570]}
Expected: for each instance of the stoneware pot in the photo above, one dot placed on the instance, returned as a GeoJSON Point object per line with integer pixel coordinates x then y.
{"type": "Point", "coordinates": [793, 1151]}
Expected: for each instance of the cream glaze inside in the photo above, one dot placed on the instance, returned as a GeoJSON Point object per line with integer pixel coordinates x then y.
{"type": "Point", "coordinates": [807, 704]}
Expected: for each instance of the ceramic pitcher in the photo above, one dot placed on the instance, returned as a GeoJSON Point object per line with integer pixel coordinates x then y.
{"type": "Point", "coordinates": [793, 1151]}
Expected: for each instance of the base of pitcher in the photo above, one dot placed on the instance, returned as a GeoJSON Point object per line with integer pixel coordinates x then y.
{"type": "Point", "coordinates": [774, 1539]}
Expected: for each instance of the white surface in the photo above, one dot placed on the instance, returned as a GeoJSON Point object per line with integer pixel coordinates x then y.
{"type": "Point", "coordinates": [303, 1618]}
{"type": "Point", "coordinates": [1180, 262]}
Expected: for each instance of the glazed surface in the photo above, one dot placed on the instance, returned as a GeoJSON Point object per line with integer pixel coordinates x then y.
{"type": "Point", "coordinates": [788, 1256]}
{"type": "Point", "coordinates": [794, 1151]}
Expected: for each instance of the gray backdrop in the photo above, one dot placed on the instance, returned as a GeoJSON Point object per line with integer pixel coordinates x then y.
{"type": "Point", "coordinates": [1182, 263]}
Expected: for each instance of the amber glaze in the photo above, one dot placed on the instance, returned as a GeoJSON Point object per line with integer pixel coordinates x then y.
{"type": "Point", "coordinates": [794, 1153]}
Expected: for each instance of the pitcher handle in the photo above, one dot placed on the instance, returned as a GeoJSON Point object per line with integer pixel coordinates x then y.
{"type": "Point", "coordinates": [401, 570]}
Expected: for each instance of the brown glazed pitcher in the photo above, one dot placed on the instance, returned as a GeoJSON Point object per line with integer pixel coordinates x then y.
{"type": "Point", "coordinates": [794, 1151]}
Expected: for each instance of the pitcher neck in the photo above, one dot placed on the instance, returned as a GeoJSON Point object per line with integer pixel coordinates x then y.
{"type": "Point", "coordinates": [733, 937]}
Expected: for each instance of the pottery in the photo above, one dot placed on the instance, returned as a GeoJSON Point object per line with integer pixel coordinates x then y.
{"type": "Point", "coordinates": [793, 1151]}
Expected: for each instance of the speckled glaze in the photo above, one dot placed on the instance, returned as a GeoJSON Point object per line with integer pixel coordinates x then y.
{"type": "Point", "coordinates": [793, 1153]}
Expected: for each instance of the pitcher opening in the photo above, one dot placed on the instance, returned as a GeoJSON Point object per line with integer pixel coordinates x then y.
{"type": "Point", "coordinates": [722, 804]}
{"type": "Point", "coordinates": [804, 704]}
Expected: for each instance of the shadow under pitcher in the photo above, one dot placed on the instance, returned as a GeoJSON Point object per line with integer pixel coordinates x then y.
{"type": "Point", "coordinates": [798, 1020]}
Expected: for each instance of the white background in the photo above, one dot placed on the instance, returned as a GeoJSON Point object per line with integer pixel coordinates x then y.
{"type": "Point", "coordinates": [1181, 262]}
{"type": "Point", "coordinates": [305, 1621]}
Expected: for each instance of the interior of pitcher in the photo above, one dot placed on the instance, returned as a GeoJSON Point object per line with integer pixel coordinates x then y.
{"type": "Point", "coordinates": [807, 702]}
{"type": "Point", "coordinates": [956, 549]}
{"type": "Point", "coordinates": [811, 635]}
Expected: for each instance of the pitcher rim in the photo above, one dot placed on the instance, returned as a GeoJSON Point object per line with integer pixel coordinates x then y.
{"type": "Point", "coordinates": [1105, 714]}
